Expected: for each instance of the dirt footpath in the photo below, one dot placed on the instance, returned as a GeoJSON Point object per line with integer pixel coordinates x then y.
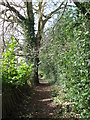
{"type": "Point", "coordinates": [39, 104]}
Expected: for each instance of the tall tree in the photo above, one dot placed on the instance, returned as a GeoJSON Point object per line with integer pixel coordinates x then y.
{"type": "Point", "coordinates": [26, 21]}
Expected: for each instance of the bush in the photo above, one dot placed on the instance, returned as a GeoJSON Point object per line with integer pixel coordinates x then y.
{"type": "Point", "coordinates": [13, 72]}
{"type": "Point", "coordinates": [66, 56]}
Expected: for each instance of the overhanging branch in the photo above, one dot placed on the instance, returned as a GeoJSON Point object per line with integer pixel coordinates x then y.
{"type": "Point", "coordinates": [53, 12]}
{"type": "Point", "coordinates": [13, 9]}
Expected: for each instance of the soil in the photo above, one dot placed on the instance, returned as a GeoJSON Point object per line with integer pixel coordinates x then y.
{"type": "Point", "coordinates": [39, 104]}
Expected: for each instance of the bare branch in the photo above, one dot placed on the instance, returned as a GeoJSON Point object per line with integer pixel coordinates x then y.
{"type": "Point", "coordinates": [61, 16]}
{"type": "Point", "coordinates": [53, 12]}
{"type": "Point", "coordinates": [7, 20]}
{"type": "Point", "coordinates": [42, 9]}
{"type": "Point", "coordinates": [13, 9]}
{"type": "Point", "coordinates": [3, 11]}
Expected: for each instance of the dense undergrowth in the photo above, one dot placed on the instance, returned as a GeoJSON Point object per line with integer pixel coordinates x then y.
{"type": "Point", "coordinates": [65, 60]}
{"type": "Point", "coordinates": [14, 72]}
{"type": "Point", "coordinates": [15, 76]}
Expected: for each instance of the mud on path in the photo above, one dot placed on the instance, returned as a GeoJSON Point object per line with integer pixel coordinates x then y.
{"type": "Point", "coordinates": [39, 104]}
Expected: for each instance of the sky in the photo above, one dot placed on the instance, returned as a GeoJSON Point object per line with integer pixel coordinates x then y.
{"type": "Point", "coordinates": [70, 1]}
{"type": "Point", "coordinates": [50, 7]}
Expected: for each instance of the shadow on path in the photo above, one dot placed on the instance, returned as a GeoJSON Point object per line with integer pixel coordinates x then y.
{"type": "Point", "coordinates": [39, 104]}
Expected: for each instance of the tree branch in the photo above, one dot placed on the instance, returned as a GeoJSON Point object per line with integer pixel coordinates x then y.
{"type": "Point", "coordinates": [3, 11]}
{"type": "Point", "coordinates": [50, 14]}
{"type": "Point", "coordinates": [13, 9]}
{"type": "Point", "coordinates": [61, 16]}
{"type": "Point", "coordinates": [42, 9]}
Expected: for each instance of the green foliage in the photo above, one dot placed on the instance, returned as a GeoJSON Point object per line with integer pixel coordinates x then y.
{"type": "Point", "coordinates": [29, 38]}
{"type": "Point", "coordinates": [65, 59]}
{"type": "Point", "coordinates": [13, 72]}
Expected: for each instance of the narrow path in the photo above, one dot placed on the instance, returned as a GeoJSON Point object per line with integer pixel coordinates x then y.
{"type": "Point", "coordinates": [39, 104]}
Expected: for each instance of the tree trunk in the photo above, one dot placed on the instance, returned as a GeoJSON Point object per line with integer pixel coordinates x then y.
{"type": "Point", "coordinates": [36, 78]}
{"type": "Point", "coordinates": [36, 62]}
{"type": "Point", "coordinates": [31, 40]}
